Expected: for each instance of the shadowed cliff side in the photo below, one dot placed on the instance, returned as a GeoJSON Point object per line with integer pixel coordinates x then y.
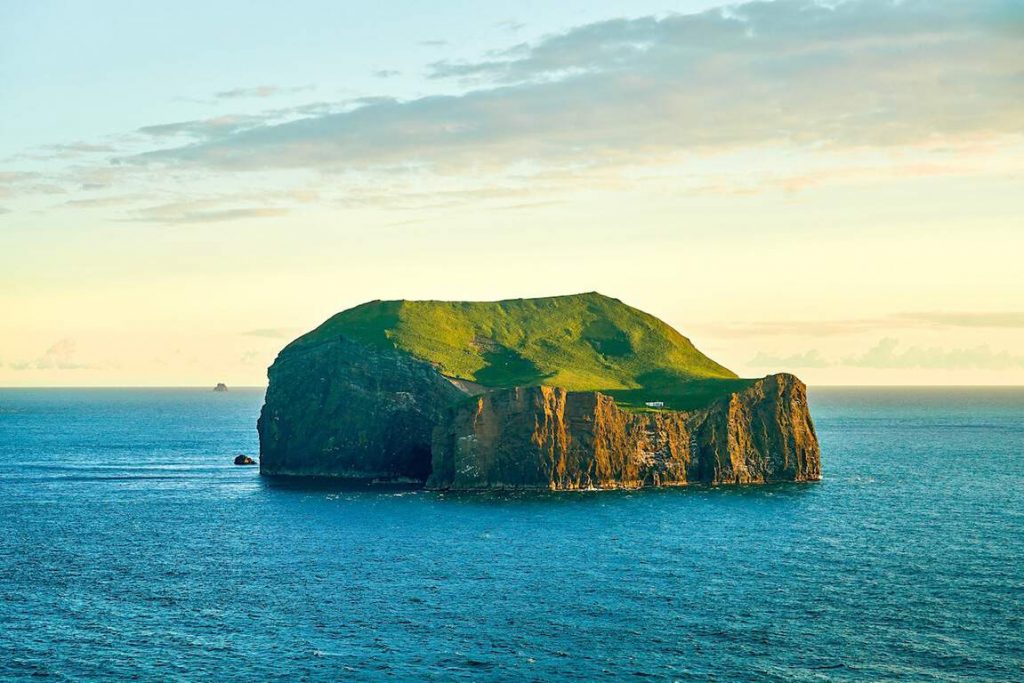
{"type": "Point", "coordinates": [546, 437]}
{"type": "Point", "coordinates": [342, 409]}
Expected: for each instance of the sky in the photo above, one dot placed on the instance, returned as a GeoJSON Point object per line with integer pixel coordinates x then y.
{"type": "Point", "coordinates": [834, 189]}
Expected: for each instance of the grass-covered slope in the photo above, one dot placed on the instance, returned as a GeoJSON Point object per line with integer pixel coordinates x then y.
{"type": "Point", "coordinates": [580, 342]}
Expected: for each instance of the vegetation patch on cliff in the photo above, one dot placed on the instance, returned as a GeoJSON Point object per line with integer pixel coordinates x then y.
{"type": "Point", "coordinates": [677, 395]}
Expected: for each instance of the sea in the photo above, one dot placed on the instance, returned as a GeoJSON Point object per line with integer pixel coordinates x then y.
{"type": "Point", "coordinates": [131, 548]}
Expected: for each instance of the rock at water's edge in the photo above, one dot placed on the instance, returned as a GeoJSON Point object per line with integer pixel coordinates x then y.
{"type": "Point", "coordinates": [241, 459]}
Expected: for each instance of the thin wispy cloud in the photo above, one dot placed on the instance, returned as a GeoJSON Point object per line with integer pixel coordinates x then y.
{"type": "Point", "coordinates": [260, 91]}
{"type": "Point", "coordinates": [67, 151]}
{"type": "Point", "coordinates": [922, 319]}
{"type": "Point", "coordinates": [210, 128]}
{"type": "Point", "coordinates": [12, 181]}
{"type": "Point", "coordinates": [185, 212]}
{"type": "Point", "coordinates": [77, 148]}
{"type": "Point", "coordinates": [511, 25]}
{"type": "Point", "coordinates": [1008, 319]}
{"type": "Point", "coordinates": [19, 183]}
{"type": "Point", "coordinates": [8, 178]}
{"type": "Point", "coordinates": [103, 202]}
{"type": "Point", "coordinates": [889, 354]}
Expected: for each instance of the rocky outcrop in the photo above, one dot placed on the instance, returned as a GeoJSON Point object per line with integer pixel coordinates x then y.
{"type": "Point", "coordinates": [243, 459]}
{"type": "Point", "coordinates": [338, 408]}
{"type": "Point", "coordinates": [546, 437]}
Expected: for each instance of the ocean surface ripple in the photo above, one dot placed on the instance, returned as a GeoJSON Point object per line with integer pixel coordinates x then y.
{"type": "Point", "coordinates": [131, 547]}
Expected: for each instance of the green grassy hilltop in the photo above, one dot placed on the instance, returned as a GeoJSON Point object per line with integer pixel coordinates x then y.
{"type": "Point", "coordinates": [581, 342]}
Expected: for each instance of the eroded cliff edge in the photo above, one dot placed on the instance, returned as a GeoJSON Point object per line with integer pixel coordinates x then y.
{"type": "Point", "coordinates": [546, 437]}
{"type": "Point", "coordinates": [340, 408]}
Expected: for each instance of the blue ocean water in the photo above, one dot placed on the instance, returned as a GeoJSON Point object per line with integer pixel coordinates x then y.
{"type": "Point", "coordinates": [131, 548]}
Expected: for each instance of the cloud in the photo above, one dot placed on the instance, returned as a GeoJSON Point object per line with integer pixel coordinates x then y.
{"type": "Point", "coordinates": [97, 177]}
{"type": "Point", "coordinates": [65, 151]}
{"type": "Point", "coordinates": [208, 128]}
{"type": "Point", "coordinates": [273, 332]}
{"type": "Point", "coordinates": [434, 43]}
{"type": "Point", "coordinates": [20, 183]}
{"type": "Point", "coordinates": [807, 359]}
{"type": "Point", "coordinates": [13, 177]}
{"type": "Point", "coordinates": [885, 354]}
{"type": "Point", "coordinates": [60, 356]}
{"type": "Point", "coordinates": [863, 73]}
{"type": "Point", "coordinates": [202, 211]}
{"type": "Point", "coordinates": [511, 25]}
{"type": "Point", "coordinates": [103, 202]}
{"type": "Point", "coordinates": [909, 320]}
{"type": "Point", "coordinates": [816, 328]}
{"type": "Point", "coordinates": [259, 91]}
{"type": "Point", "coordinates": [75, 148]}
{"type": "Point", "coordinates": [386, 73]}
{"type": "Point", "coordinates": [494, 196]}
{"type": "Point", "coordinates": [883, 171]}
{"type": "Point", "coordinates": [1009, 319]}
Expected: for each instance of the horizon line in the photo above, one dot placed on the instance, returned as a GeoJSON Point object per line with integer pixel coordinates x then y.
{"type": "Point", "coordinates": [264, 386]}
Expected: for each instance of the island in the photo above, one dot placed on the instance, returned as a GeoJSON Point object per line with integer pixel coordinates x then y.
{"type": "Point", "coordinates": [563, 393]}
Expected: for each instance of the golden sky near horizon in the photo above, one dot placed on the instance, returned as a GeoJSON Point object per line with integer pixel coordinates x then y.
{"type": "Point", "coordinates": [832, 191]}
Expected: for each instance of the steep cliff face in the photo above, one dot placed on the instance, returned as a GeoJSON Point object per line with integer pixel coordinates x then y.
{"type": "Point", "coordinates": [342, 409]}
{"type": "Point", "coordinates": [524, 393]}
{"type": "Point", "coordinates": [546, 437]}
{"type": "Point", "coordinates": [762, 434]}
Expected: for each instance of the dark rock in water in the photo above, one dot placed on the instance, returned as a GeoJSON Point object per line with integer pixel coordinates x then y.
{"type": "Point", "coordinates": [221, 387]}
{"type": "Point", "coordinates": [369, 396]}
{"type": "Point", "coordinates": [241, 459]}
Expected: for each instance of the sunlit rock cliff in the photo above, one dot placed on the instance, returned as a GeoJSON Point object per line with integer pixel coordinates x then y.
{"type": "Point", "coordinates": [570, 392]}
